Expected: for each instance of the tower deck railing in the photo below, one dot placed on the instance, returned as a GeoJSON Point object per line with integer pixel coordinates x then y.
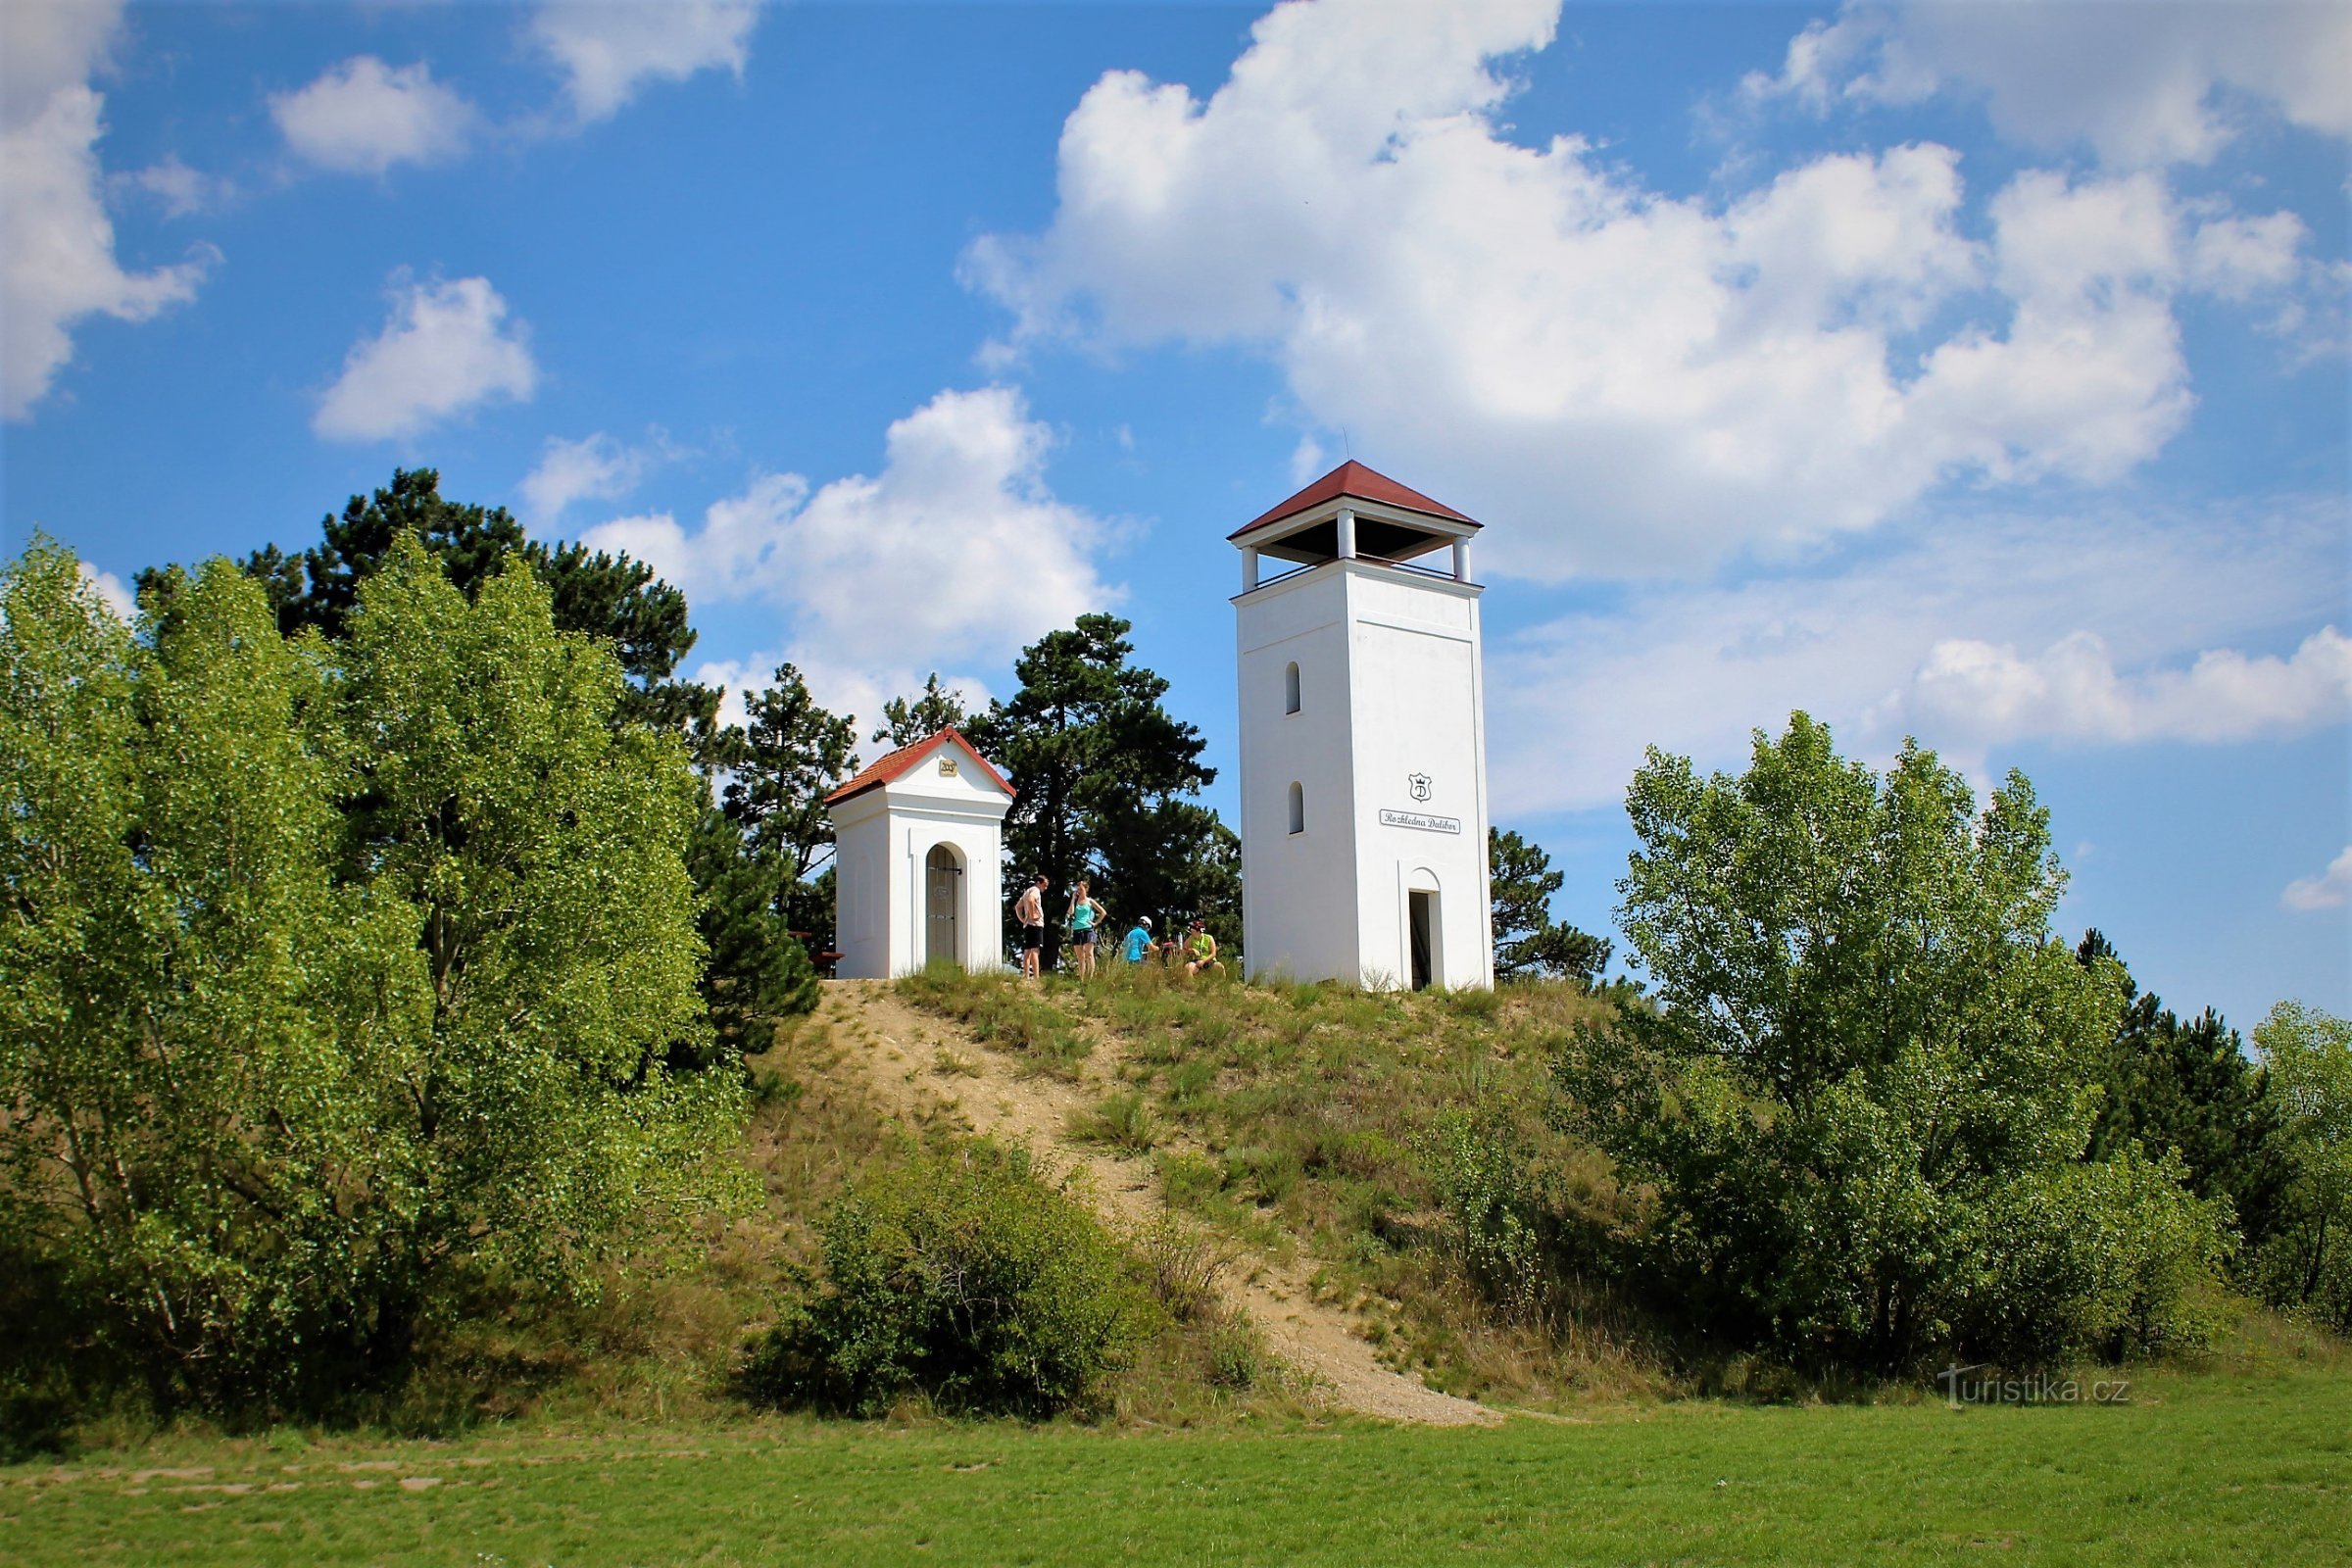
{"type": "Point", "coordinates": [1378, 561]}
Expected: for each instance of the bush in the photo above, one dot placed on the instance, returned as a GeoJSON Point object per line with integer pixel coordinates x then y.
{"type": "Point", "coordinates": [962, 1276]}
{"type": "Point", "coordinates": [1493, 1224]}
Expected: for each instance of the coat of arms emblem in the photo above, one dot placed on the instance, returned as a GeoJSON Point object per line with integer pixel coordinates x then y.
{"type": "Point", "coordinates": [1417, 784]}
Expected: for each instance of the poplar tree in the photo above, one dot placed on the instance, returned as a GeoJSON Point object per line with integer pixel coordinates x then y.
{"type": "Point", "coordinates": [1861, 1099]}
{"type": "Point", "coordinates": [338, 979]}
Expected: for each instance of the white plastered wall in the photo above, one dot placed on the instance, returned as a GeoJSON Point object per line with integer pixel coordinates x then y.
{"type": "Point", "coordinates": [883, 839]}
{"type": "Point", "coordinates": [1391, 686]}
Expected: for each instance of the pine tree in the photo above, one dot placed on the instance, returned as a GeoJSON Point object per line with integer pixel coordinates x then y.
{"type": "Point", "coordinates": [909, 719]}
{"type": "Point", "coordinates": [1527, 940]}
{"type": "Point", "coordinates": [1103, 773]}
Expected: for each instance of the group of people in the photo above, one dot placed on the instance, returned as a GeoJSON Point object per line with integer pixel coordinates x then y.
{"type": "Point", "coordinates": [1195, 953]}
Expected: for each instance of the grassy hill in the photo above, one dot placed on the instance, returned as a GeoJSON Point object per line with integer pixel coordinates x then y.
{"type": "Point", "coordinates": [1287, 1168]}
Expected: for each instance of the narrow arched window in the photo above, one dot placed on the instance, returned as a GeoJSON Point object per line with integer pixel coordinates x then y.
{"type": "Point", "coordinates": [1298, 809]}
{"type": "Point", "coordinates": [1290, 690]}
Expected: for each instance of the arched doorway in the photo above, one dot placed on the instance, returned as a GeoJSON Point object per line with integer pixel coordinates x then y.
{"type": "Point", "coordinates": [942, 904]}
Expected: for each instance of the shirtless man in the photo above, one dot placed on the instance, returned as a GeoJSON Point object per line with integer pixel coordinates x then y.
{"type": "Point", "coordinates": [1029, 914]}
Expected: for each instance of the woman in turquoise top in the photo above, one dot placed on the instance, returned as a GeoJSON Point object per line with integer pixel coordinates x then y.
{"type": "Point", "coordinates": [1084, 912]}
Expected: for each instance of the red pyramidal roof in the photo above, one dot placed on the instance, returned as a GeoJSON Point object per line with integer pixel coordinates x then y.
{"type": "Point", "coordinates": [892, 766]}
{"type": "Point", "coordinates": [1352, 479]}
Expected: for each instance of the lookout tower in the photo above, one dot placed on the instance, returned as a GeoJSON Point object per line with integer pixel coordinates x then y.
{"type": "Point", "coordinates": [1363, 739]}
{"type": "Point", "coordinates": [919, 840]}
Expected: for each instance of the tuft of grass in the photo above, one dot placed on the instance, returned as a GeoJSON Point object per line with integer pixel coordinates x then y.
{"type": "Point", "coordinates": [1124, 1121]}
{"type": "Point", "coordinates": [1006, 1014]}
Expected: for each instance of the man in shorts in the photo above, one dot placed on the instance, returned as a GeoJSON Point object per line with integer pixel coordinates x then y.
{"type": "Point", "coordinates": [1029, 914]}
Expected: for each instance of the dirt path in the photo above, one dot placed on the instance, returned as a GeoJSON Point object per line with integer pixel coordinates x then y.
{"type": "Point", "coordinates": [901, 1046]}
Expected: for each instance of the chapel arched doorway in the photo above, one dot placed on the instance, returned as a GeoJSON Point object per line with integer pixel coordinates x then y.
{"type": "Point", "coordinates": [942, 907]}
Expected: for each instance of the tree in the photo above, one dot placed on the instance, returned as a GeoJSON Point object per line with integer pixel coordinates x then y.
{"type": "Point", "coordinates": [1858, 1098]}
{"type": "Point", "coordinates": [2307, 1260]}
{"type": "Point", "coordinates": [1527, 940]}
{"type": "Point", "coordinates": [791, 755]}
{"type": "Point", "coordinates": [795, 754]}
{"type": "Point", "coordinates": [909, 719]}
{"type": "Point", "coordinates": [2186, 1088]}
{"type": "Point", "coordinates": [620, 600]}
{"type": "Point", "coordinates": [338, 978]}
{"type": "Point", "coordinates": [758, 971]}
{"type": "Point", "coordinates": [604, 595]}
{"type": "Point", "coordinates": [1102, 771]}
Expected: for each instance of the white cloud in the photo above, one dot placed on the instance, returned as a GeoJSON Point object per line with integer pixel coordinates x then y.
{"type": "Point", "coordinates": [119, 598]}
{"type": "Point", "coordinates": [444, 349]}
{"type": "Point", "coordinates": [956, 554]}
{"type": "Point", "coordinates": [1631, 382]}
{"type": "Point", "coordinates": [57, 246]}
{"type": "Point", "coordinates": [2332, 889]}
{"type": "Point", "coordinates": [362, 116]}
{"type": "Point", "coordinates": [856, 691]}
{"type": "Point", "coordinates": [594, 469]}
{"type": "Point", "coordinates": [1866, 645]}
{"type": "Point", "coordinates": [2073, 692]}
{"type": "Point", "coordinates": [609, 50]}
{"type": "Point", "coordinates": [2142, 84]}
{"type": "Point", "coordinates": [172, 185]}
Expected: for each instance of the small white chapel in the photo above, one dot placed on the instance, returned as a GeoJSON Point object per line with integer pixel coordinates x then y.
{"type": "Point", "coordinates": [918, 856]}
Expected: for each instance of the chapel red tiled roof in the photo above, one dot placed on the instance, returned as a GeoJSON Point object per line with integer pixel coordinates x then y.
{"type": "Point", "coordinates": [1352, 479]}
{"type": "Point", "coordinates": [892, 766]}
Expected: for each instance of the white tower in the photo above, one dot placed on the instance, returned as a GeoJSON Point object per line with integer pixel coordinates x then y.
{"type": "Point", "coordinates": [1363, 741]}
{"type": "Point", "coordinates": [918, 845]}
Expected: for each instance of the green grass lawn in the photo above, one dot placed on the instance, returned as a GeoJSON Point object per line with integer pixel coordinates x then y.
{"type": "Point", "coordinates": [2215, 1467]}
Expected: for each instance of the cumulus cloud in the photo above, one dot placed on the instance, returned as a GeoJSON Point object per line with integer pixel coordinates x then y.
{"type": "Point", "coordinates": [596, 467]}
{"type": "Point", "coordinates": [609, 49]}
{"type": "Point", "coordinates": [1873, 646]}
{"type": "Point", "coordinates": [856, 691]}
{"type": "Point", "coordinates": [362, 116]}
{"type": "Point", "coordinates": [111, 589]}
{"type": "Point", "coordinates": [57, 246]}
{"type": "Point", "coordinates": [2332, 889]}
{"type": "Point", "coordinates": [1636, 383]}
{"type": "Point", "coordinates": [2073, 692]}
{"type": "Point", "coordinates": [444, 348]}
{"type": "Point", "coordinates": [2143, 85]}
{"type": "Point", "coordinates": [955, 554]}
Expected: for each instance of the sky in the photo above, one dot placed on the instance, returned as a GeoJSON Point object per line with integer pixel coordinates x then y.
{"type": "Point", "coordinates": [1977, 373]}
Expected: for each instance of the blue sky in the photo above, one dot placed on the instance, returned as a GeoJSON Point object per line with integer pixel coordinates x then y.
{"type": "Point", "coordinates": [1971, 372]}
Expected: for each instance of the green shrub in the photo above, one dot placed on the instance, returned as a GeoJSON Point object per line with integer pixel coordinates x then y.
{"type": "Point", "coordinates": [1493, 1224]}
{"type": "Point", "coordinates": [964, 1277]}
{"type": "Point", "coordinates": [1236, 1355]}
{"type": "Point", "coordinates": [1183, 1267]}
